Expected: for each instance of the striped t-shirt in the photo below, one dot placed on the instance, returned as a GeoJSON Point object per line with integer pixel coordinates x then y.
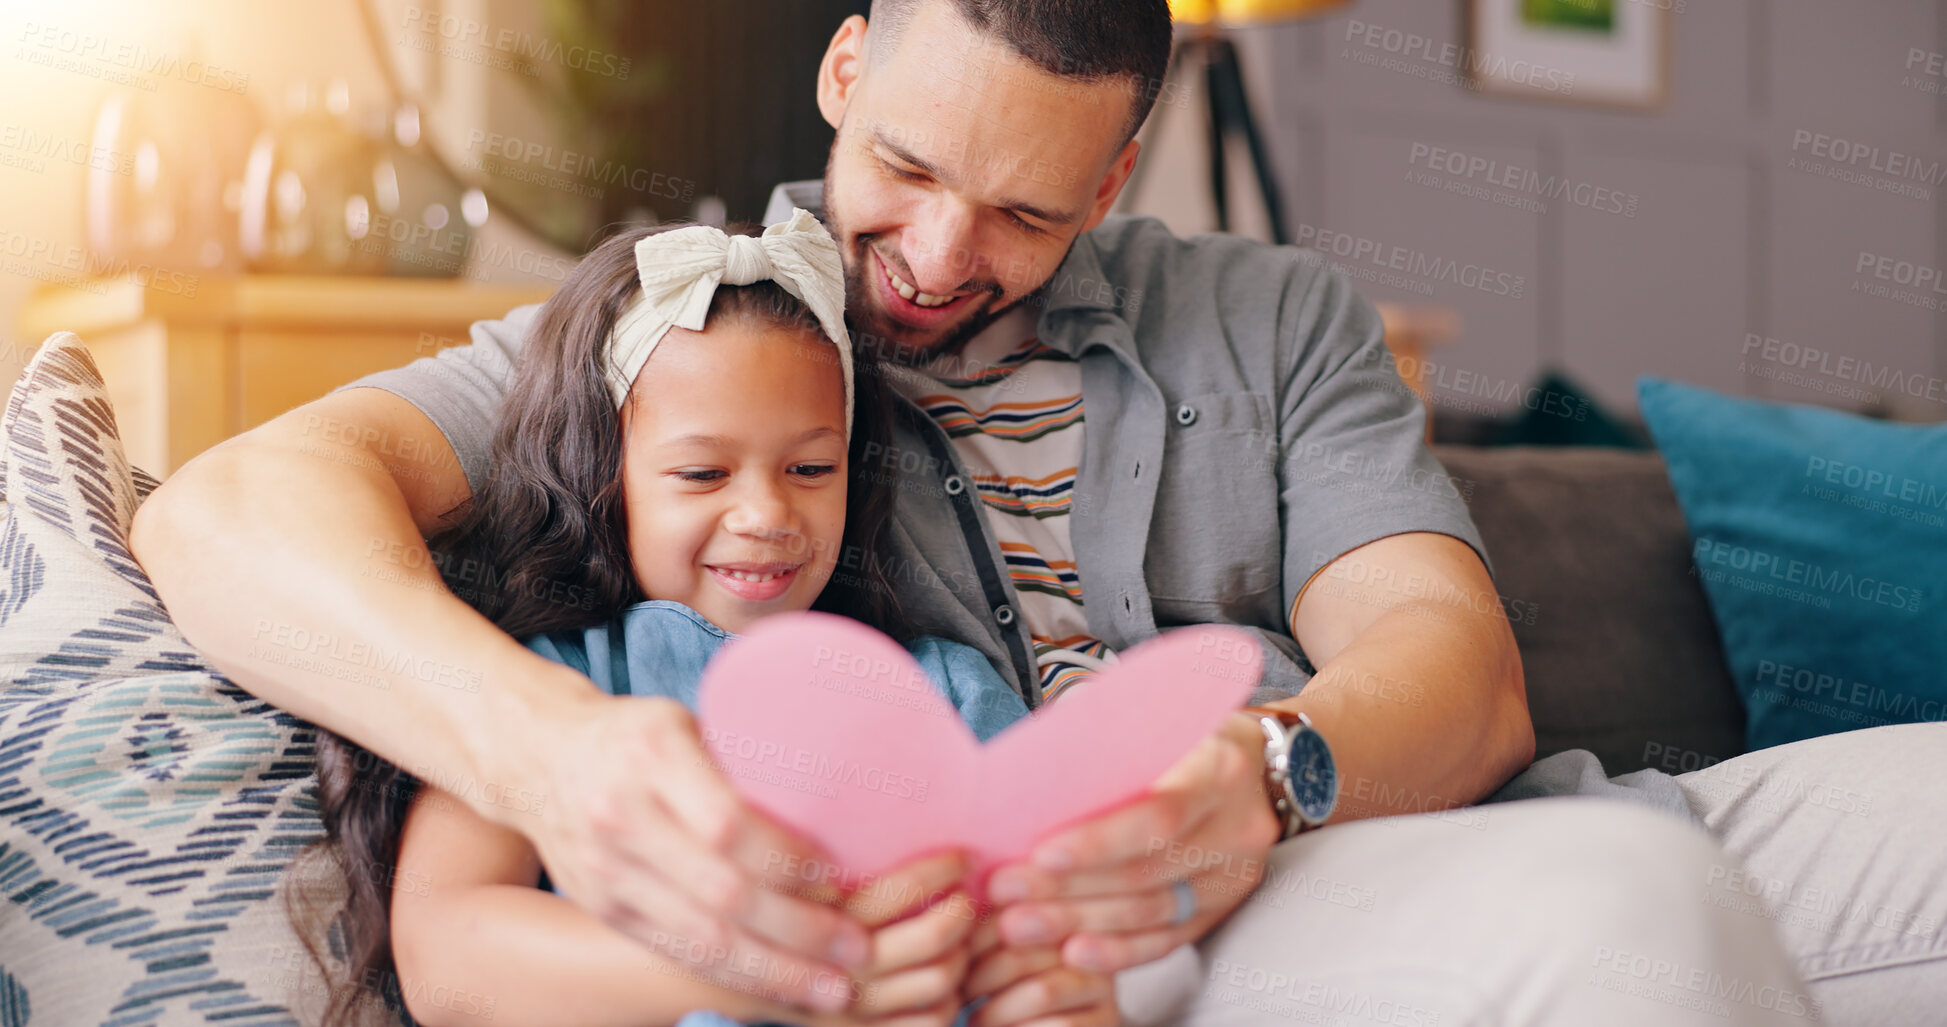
{"type": "Point", "coordinates": [1013, 408]}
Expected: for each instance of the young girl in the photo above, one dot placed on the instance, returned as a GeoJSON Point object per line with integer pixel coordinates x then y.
{"type": "Point", "coordinates": [671, 465]}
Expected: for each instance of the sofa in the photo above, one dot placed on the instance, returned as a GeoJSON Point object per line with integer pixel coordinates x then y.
{"type": "Point", "coordinates": [152, 812]}
{"type": "Point", "coordinates": [1592, 561]}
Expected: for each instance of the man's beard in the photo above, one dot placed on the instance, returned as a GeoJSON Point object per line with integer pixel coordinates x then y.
{"type": "Point", "coordinates": [891, 341]}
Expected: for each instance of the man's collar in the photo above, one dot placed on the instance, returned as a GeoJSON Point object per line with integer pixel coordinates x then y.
{"type": "Point", "coordinates": [1078, 284]}
{"type": "Point", "coordinates": [1066, 291]}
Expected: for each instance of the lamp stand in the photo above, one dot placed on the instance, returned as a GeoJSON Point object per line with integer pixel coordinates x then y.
{"type": "Point", "coordinates": [1230, 114]}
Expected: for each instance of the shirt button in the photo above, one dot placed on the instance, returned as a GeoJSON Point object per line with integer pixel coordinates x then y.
{"type": "Point", "coordinates": [1004, 615]}
{"type": "Point", "coordinates": [955, 485]}
{"type": "Point", "coordinates": [1186, 415]}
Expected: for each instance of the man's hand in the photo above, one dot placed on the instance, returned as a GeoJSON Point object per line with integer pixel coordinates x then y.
{"type": "Point", "coordinates": [642, 830]}
{"type": "Point", "coordinates": [1103, 890]}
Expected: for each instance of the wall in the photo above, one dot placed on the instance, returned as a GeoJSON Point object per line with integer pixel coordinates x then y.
{"type": "Point", "coordinates": [1730, 240]}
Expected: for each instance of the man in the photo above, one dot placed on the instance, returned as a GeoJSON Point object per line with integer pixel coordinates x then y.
{"type": "Point", "coordinates": [1202, 423]}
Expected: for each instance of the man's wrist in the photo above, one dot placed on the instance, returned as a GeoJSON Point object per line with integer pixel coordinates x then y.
{"type": "Point", "coordinates": [1300, 775]}
{"type": "Point", "coordinates": [515, 742]}
{"type": "Point", "coordinates": [1243, 731]}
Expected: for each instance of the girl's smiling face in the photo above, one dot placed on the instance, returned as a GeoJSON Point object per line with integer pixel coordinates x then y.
{"type": "Point", "coordinates": [734, 470]}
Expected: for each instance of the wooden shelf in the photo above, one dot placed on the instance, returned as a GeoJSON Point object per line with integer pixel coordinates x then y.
{"type": "Point", "coordinates": [188, 370]}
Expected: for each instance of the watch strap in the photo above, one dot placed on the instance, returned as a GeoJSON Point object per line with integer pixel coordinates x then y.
{"type": "Point", "coordinates": [1288, 718]}
{"type": "Point", "coordinates": [1276, 779]}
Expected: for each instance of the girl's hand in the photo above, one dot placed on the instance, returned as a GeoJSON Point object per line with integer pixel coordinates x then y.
{"type": "Point", "coordinates": [917, 968]}
{"type": "Point", "coordinates": [1031, 985]}
{"type": "Point", "coordinates": [920, 924]}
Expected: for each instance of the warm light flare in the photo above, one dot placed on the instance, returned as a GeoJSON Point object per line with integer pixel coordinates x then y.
{"type": "Point", "coordinates": [1235, 12]}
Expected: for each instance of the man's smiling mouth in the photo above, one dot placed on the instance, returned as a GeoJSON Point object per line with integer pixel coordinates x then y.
{"type": "Point", "coordinates": [918, 298]}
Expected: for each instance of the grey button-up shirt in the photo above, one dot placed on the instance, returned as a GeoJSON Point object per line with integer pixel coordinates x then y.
{"type": "Point", "coordinates": [1245, 428]}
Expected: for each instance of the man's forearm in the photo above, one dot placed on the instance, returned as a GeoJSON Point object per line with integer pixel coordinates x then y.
{"type": "Point", "coordinates": [300, 573]}
{"type": "Point", "coordinates": [1424, 710]}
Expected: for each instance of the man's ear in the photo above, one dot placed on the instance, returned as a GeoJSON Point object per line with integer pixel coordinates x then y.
{"type": "Point", "coordinates": [1112, 182]}
{"type": "Point", "coordinates": [838, 73]}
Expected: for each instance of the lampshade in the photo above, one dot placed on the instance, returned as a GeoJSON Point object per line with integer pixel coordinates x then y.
{"type": "Point", "coordinates": [1233, 12]}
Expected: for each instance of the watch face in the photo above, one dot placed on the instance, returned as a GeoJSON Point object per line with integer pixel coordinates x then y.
{"type": "Point", "coordinates": [1314, 778]}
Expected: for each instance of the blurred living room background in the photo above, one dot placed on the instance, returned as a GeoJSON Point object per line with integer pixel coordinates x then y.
{"type": "Point", "coordinates": [240, 205]}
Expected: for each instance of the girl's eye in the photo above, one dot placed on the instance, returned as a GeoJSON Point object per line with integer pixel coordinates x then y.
{"type": "Point", "coordinates": [700, 477]}
{"type": "Point", "coordinates": [814, 470]}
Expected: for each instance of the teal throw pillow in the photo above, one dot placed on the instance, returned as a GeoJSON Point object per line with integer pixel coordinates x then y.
{"type": "Point", "coordinates": [1821, 541]}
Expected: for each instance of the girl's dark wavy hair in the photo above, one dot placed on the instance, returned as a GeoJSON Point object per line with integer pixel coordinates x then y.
{"type": "Point", "coordinates": [544, 547]}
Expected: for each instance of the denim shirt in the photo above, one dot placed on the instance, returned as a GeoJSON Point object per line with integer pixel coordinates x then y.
{"type": "Point", "coordinates": [1246, 427]}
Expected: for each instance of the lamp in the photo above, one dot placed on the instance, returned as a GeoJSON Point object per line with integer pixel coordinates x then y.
{"type": "Point", "coordinates": [1236, 12]}
{"type": "Point", "coordinates": [1230, 108]}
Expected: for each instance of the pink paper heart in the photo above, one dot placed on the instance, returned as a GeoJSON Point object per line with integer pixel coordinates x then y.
{"type": "Point", "coordinates": [830, 728]}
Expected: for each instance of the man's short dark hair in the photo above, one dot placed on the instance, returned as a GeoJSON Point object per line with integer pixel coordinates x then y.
{"type": "Point", "coordinates": [1079, 39]}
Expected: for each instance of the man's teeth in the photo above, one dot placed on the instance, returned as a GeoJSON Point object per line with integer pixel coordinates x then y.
{"type": "Point", "coordinates": [749, 575]}
{"type": "Point", "coordinates": [918, 298]}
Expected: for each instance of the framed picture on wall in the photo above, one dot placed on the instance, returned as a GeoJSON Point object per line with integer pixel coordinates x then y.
{"type": "Point", "coordinates": [1606, 53]}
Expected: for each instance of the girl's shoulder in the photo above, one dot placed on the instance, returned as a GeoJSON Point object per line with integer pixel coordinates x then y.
{"type": "Point", "coordinates": [986, 702]}
{"type": "Point", "coordinates": [657, 647]}
{"type": "Point", "coordinates": [942, 651]}
{"type": "Point", "coordinates": [672, 614]}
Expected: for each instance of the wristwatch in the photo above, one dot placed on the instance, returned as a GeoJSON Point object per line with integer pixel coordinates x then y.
{"type": "Point", "coordinates": [1299, 773]}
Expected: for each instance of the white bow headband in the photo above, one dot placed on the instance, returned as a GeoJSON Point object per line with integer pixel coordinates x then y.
{"type": "Point", "coordinates": [680, 272]}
